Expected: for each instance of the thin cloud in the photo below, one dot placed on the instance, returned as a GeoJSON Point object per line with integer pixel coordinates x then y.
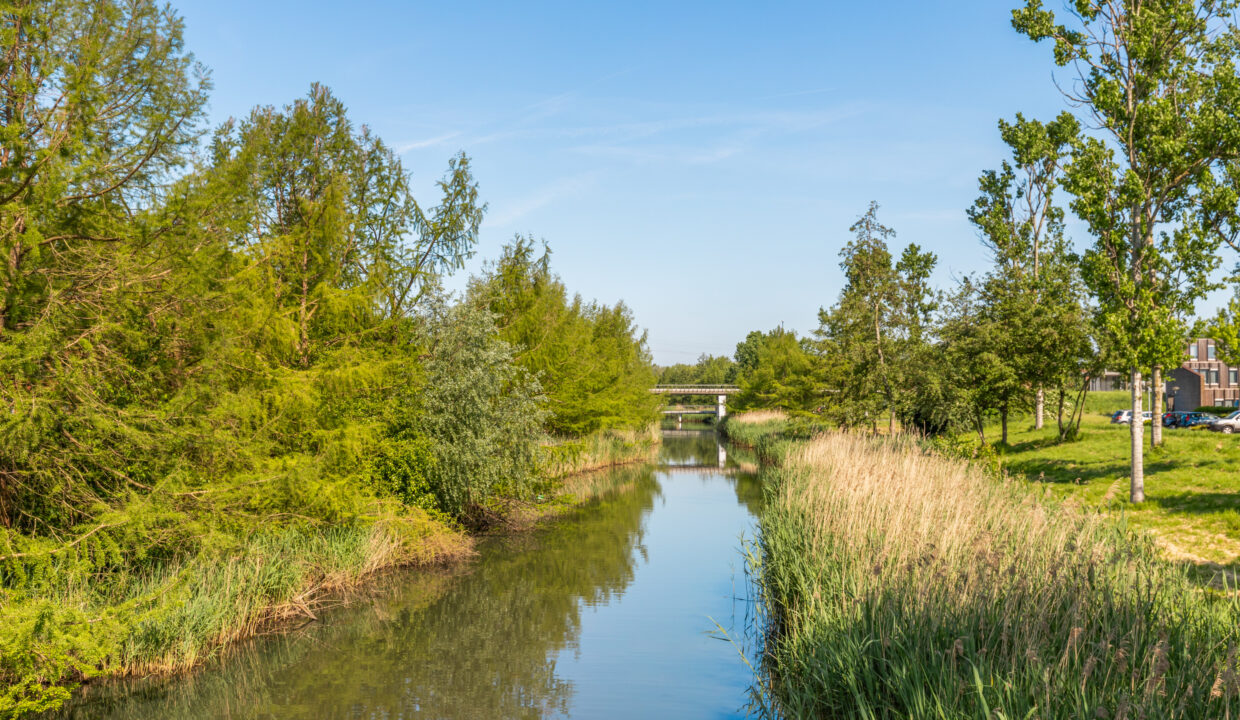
{"type": "Point", "coordinates": [429, 142]}
{"type": "Point", "coordinates": [544, 196]}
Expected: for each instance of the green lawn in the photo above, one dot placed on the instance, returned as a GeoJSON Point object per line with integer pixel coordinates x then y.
{"type": "Point", "coordinates": [1192, 484]}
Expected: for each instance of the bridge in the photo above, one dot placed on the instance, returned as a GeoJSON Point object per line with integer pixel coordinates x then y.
{"type": "Point", "coordinates": [721, 393]}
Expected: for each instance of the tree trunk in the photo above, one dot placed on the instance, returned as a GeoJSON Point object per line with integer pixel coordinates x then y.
{"type": "Point", "coordinates": [1156, 397]}
{"type": "Point", "coordinates": [1039, 403]}
{"type": "Point", "coordinates": [1059, 412]}
{"type": "Point", "coordinates": [891, 422]}
{"type": "Point", "coordinates": [1137, 488]}
{"type": "Point", "coordinates": [1003, 417]}
{"type": "Point", "coordinates": [981, 429]}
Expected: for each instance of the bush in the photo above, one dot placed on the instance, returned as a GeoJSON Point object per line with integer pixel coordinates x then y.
{"type": "Point", "coordinates": [1217, 409]}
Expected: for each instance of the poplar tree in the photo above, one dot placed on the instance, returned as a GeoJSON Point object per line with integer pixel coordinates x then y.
{"type": "Point", "coordinates": [1157, 83]}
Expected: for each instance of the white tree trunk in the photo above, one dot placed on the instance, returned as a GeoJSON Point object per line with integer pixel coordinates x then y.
{"type": "Point", "coordinates": [1039, 404]}
{"type": "Point", "coordinates": [1137, 490]}
{"type": "Point", "coordinates": [1156, 398]}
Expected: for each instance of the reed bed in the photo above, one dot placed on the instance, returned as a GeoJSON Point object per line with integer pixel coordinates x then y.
{"type": "Point", "coordinates": [599, 450]}
{"type": "Point", "coordinates": [756, 417]}
{"type": "Point", "coordinates": [905, 584]}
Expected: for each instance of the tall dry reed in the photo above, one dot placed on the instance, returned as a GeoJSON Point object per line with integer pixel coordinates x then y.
{"type": "Point", "coordinates": [904, 584]}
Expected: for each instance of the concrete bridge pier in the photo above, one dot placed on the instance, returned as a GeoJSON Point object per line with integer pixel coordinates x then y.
{"type": "Point", "coordinates": [721, 409]}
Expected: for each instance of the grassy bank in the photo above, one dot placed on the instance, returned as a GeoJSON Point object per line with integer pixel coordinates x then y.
{"type": "Point", "coordinates": [599, 450]}
{"type": "Point", "coordinates": [67, 627]}
{"type": "Point", "coordinates": [172, 617]}
{"type": "Point", "coordinates": [905, 584]}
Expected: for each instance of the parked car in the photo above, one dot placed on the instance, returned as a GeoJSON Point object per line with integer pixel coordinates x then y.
{"type": "Point", "coordinates": [1194, 419]}
{"type": "Point", "coordinates": [1228, 425]}
{"type": "Point", "coordinates": [1175, 418]}
{"type": "Point", "coordinates": [1123, 417]}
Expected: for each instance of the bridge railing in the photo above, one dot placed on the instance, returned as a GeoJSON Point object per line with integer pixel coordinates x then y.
{"type": "Point", "coordinates": [695, 389]}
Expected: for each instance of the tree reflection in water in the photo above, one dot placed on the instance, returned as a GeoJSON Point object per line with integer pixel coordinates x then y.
{"type": "Point", "coordinates": [480, 641]}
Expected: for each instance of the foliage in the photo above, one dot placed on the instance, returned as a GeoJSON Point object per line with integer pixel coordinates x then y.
{"type": "Point", "coordinates": [591, 360]}
{"type": "Point", "coordinates": [482, 412]}
{"type": "Point", "coordinates": [708, 370]}
{"type": "Point", "coordinates": [1028, 321]}
{"type": "Point", "coordinates": [879, 328]}
{"type": "Point", "coordinates": [775, 370]}
{"type": "Point", "coordinates": [1155, 185]}
{"type": "Point", "coordinates": [231, 381]}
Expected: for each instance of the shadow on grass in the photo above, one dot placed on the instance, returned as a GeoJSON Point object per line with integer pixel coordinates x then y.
{"type": "Point", "coordinates": [1064, 471]}
{"type": "Point", "coordinates": [1200, 503]}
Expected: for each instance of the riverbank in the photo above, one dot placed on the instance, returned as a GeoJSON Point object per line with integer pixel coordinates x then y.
{"type": "Point", "coordinates": [902, 582]}
{"type": "Point", "coordinates": [130, 623]}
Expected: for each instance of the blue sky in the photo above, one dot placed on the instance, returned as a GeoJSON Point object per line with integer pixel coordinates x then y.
{"type": "Point", "coordinates": [700, 161]}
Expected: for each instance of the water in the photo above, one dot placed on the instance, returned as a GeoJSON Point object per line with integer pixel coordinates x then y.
{"type": "Point", "coordinates": [611, 612]}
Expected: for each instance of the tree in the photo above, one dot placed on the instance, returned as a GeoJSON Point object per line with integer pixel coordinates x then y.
{"type": "Point", "coordinates": [591, 358]}
{"type": "Point", "coordinates": [1034, 283]}
{"type": "Point", "coordinates": [482, 412]}
{"type": "Point", "coordinates": [776, 372]}
{"type": "Point", "coordinates": [880, 324]}
{"type": "Point", "coordinates": [326, 215]}
{"type": "Point", "coordinates": [1158, 81]}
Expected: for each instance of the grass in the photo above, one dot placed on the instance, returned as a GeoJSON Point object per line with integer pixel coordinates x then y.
{"type": "Point", "coordinates": [1192, 482]}
{"type": "Point", "coordinates": [172, 617]}
{"type": "Point", "coordinates": [907, 584]}
{"type": "Point", "coordinates": [599, 450]}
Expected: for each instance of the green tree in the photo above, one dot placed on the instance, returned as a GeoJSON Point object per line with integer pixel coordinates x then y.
{"type": "Point", "coordinates": [1032, 301]}
{"type": "Point", "coordinates": [880, 326]}
{"type": "Point", "coordinates": [482, 411]}
{"type": "Point", "coordinates": [1158, 80]}
{"type": "Point", "coordinates": [775, 370]}
{"type": "Point", "coordinates": [590, 358]}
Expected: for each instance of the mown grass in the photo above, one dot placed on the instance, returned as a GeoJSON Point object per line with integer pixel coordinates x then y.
{"type": "Point", "coordinates": [1192, 482]}
{"type": "Point", "coordinates": [906, 584]}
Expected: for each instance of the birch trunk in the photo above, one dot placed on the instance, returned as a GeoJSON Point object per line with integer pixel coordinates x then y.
{"type": "Point", "coordinates": [1137, 488]}
{"type": "Point", "coordinates": [1156, 398]}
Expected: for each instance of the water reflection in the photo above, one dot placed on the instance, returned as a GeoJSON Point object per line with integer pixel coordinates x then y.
{"type": "Point", "coordinates": [605, 613]}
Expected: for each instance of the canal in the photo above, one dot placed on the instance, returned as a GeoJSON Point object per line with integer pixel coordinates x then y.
{"type": "Point", "coordinates": [619, 609]}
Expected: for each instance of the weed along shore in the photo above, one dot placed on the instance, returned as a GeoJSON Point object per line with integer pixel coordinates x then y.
{"type": "Point", "coordinates": [902, 581]}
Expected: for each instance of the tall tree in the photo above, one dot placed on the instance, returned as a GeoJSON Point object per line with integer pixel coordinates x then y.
{"type": "Point", "coordinates": [1034, 276]}
{"type": "Point", "coordinates": [1158, 82]}
{"type": "Point", "coordinates": [591, 358]}
{"type": "Point", "coordinates": [326, 216]}
{"type": "Point", "coordinates": [880, 324]}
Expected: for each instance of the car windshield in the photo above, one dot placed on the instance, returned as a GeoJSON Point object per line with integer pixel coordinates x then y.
{"type": "Point", "coordinates": [1233, 416]}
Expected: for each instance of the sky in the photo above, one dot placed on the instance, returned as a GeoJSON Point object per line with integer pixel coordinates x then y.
{"type": "Point", "coordinates": [701, 161]}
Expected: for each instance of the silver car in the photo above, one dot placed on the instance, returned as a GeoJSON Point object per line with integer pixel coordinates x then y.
{"type": "Point", "coordinates": [1228, 424]}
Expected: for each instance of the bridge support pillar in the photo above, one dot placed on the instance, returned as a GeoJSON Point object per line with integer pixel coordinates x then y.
{"type": "Point", "coordinates": [721, 409]}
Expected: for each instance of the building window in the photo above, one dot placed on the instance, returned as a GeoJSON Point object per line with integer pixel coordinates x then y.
{"type": "Point", "coordinates": [1212, 377]}
{"type": "Point", "coordinates": [1233, 376]}
{"type": "Point", "coordinates": [1192, 351]}
{"type": "Point", "coordinates": [1210, 351]}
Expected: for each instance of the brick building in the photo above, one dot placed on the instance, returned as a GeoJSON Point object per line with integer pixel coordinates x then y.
{"type": "Point", "coordinates": [1203, 380]}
